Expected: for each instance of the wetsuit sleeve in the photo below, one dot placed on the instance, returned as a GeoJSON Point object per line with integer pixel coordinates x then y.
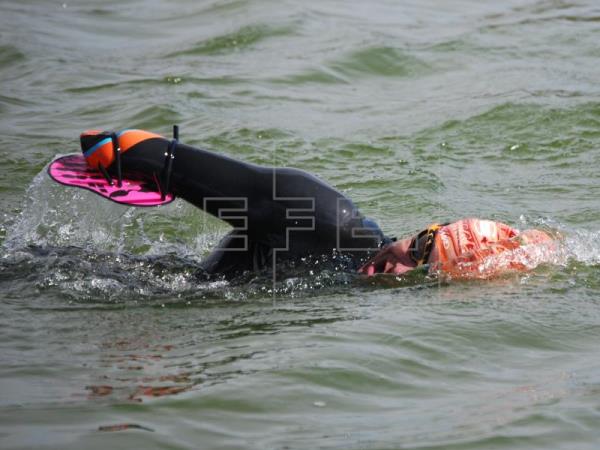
{"type": "Point", "coordinates": [278, 208]}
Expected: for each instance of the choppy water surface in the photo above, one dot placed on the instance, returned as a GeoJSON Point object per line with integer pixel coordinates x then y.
{"type": "Point", "coordinates": [421, 111]}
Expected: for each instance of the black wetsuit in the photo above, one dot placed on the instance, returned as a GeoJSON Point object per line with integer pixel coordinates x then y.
{"type": "Point", "coordinates": [278, 214]}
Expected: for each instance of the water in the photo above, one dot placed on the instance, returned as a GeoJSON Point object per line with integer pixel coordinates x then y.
{"type": "Point", "coordinates": [421, 111]}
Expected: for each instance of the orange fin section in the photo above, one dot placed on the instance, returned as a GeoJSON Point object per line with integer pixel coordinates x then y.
{"type": "Point", "coordinates": [103, 153]}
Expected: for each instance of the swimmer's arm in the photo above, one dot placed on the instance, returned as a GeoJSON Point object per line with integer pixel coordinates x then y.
{"type": "Point", "coordinates": [393, 259]}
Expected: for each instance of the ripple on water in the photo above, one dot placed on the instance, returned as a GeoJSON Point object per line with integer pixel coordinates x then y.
{"type": "Point", "coordinates": [239, 40]}
{"type": "Point", "coordinates": [365, 63]}
{"type": "Point", "coordinates": [152, 117]}
{"type": "Point", "coordinates": [520, 132]}
{"type": "Point", "coordinates": [10, 55]}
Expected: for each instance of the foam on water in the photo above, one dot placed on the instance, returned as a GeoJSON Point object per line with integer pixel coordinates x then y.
{"type": "Point", "coordinates": [576, 244]}
{"type": "Point", "coordinates": [57, 216]}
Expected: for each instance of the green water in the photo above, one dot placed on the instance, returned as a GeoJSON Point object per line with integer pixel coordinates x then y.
{"type": "Point", "coordinates": [420, 111]}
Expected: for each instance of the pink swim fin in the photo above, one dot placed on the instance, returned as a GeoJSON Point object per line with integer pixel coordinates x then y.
{"type": "Point", "coordinates": [72, 170]}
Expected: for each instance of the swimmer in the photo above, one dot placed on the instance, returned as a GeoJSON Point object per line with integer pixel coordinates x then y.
{"type": "Point", "coordinates": [278, 215]}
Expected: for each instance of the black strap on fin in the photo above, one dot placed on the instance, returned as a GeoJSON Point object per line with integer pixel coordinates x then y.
{"type": "Point", "coordinates": [105, 173]}
{"type": "Point", "coordinates": [168, 167]}
{"type": "Point", "coordinates": [117, 151]}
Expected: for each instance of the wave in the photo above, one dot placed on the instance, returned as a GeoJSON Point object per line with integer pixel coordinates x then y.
{"type": "Point", "coordinates": [239, 40]}
{"type": "Point", "coordinates": [372, 61]}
